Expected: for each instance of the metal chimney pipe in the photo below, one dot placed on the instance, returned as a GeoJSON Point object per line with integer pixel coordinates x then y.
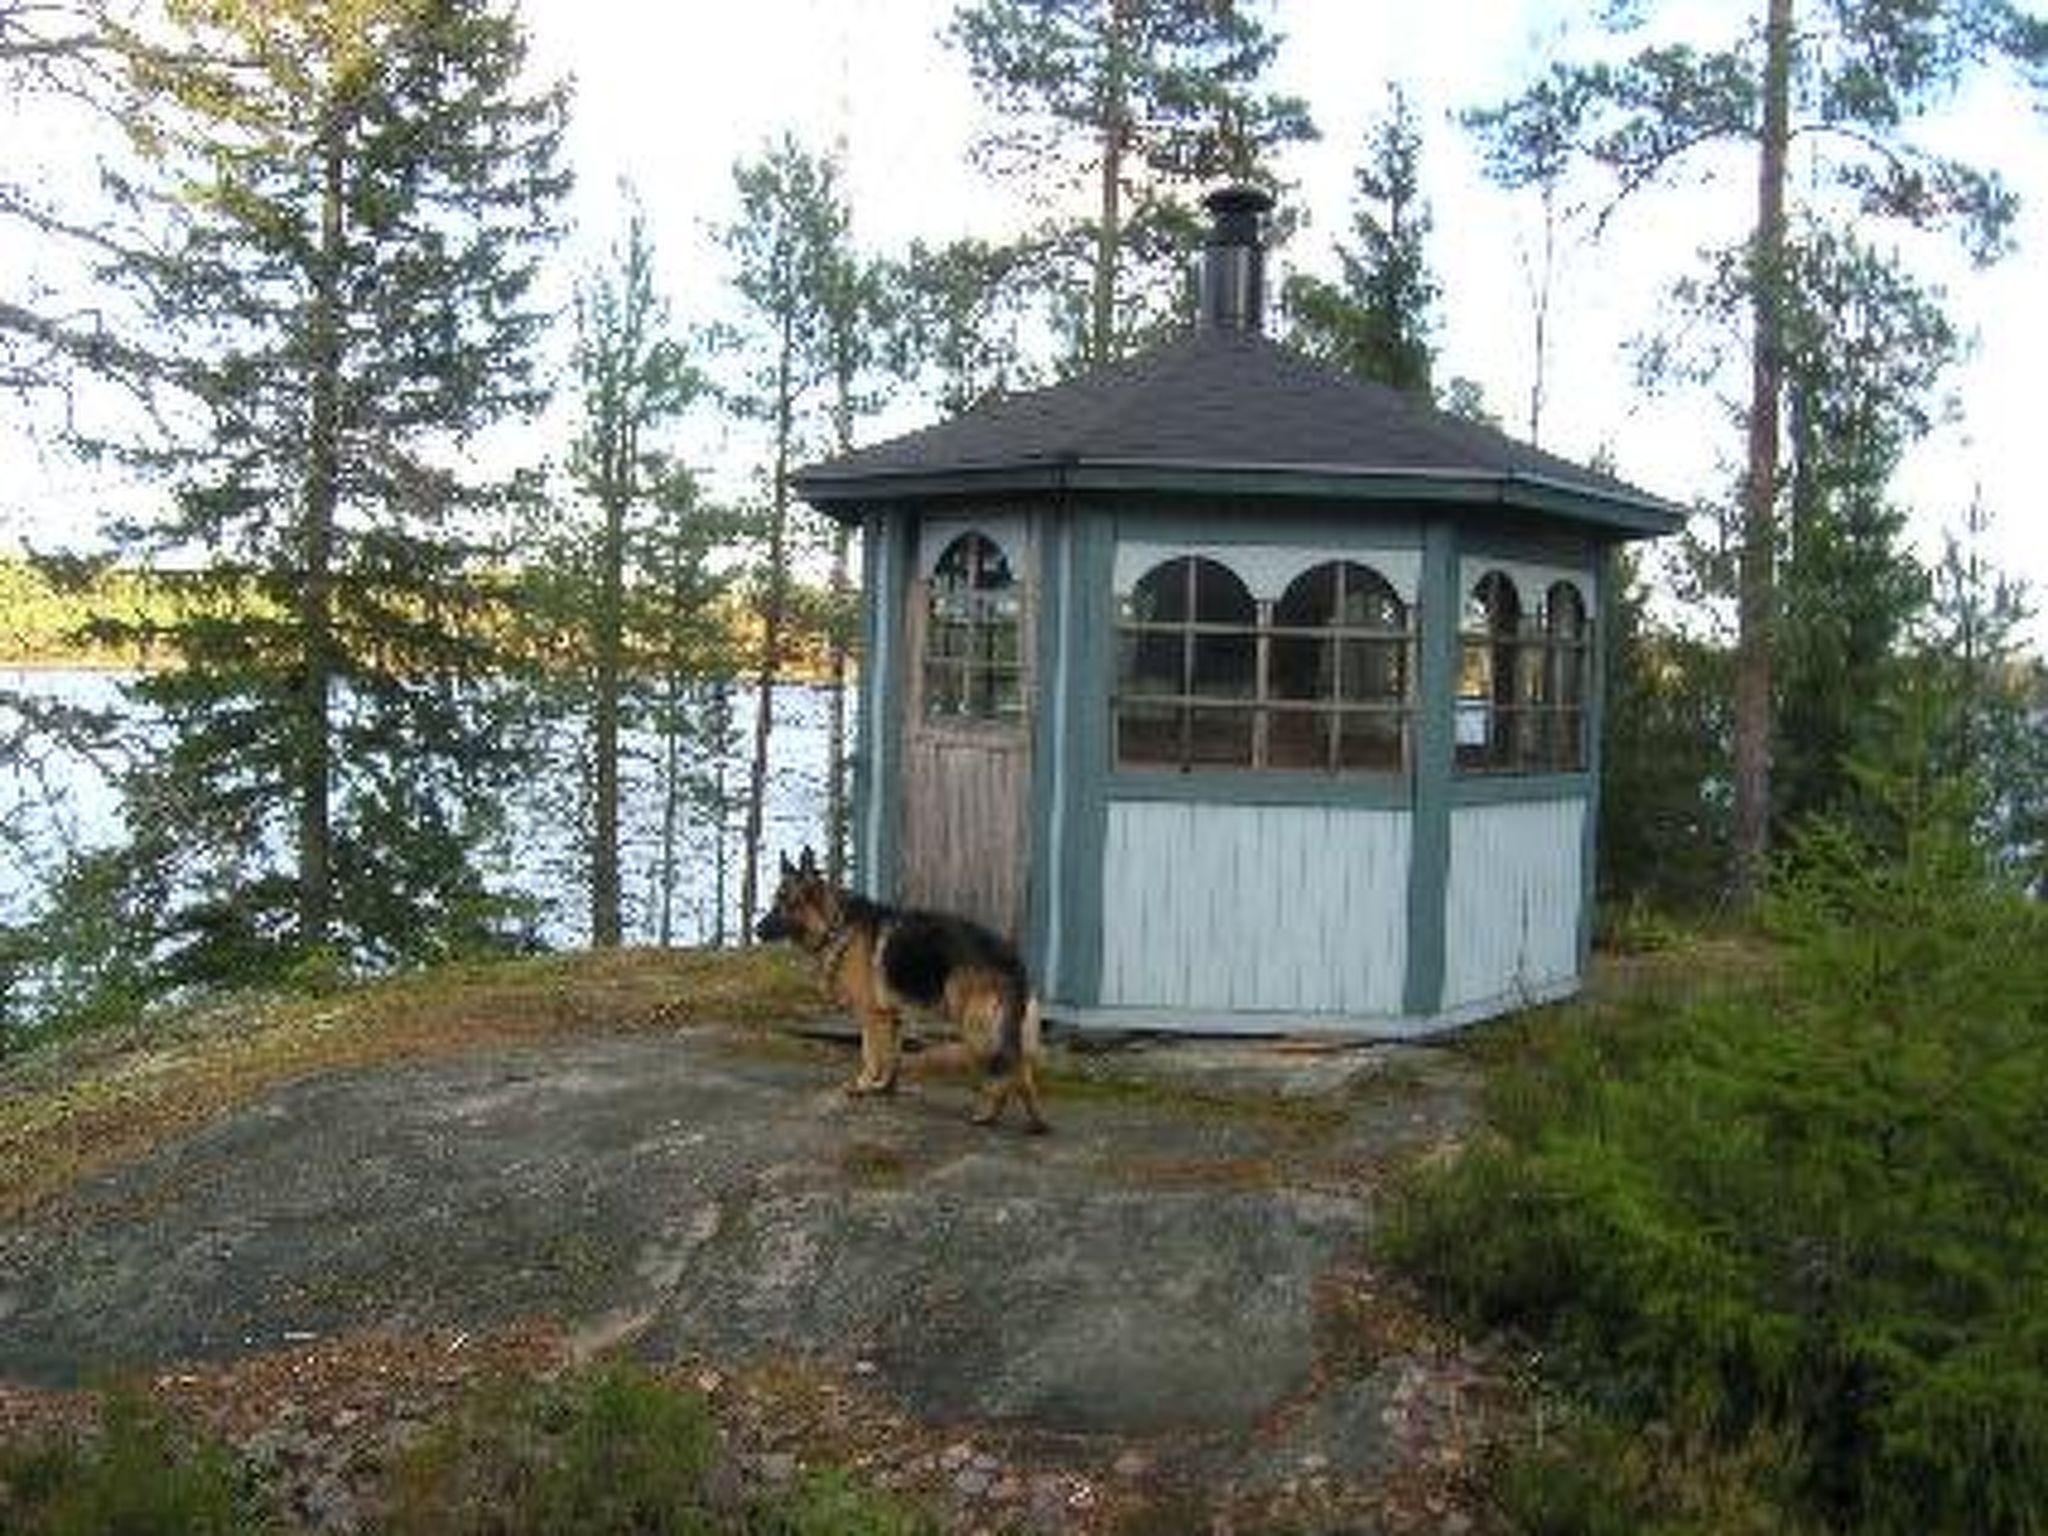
{"type": "Point", "coordinates": [1233, 278]}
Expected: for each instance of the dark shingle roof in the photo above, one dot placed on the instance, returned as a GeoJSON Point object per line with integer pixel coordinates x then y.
{"type": "Point", "coordinates": [1231, 412]}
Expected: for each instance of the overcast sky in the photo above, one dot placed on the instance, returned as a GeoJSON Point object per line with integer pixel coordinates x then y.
{"type": "Point", "coordinates": [671, 93]}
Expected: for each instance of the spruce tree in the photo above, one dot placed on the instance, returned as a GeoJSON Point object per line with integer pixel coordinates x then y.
{"type": "Point", "coordinates": [1376, 322]}
{"type": "Point", "coordinates": [356, 196]}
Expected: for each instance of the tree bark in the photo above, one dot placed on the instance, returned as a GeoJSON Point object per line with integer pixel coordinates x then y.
{"type": "Point", "coordinates": [777, 599]}
{"type": "Point", "coordinates": [1756, 579]}
{"type": "Point", "coordinates": [1109, 220]}
{"type": "Point", "coordinates": [316, 597]}
{"type": "Point", "coordinates": [606, 929]}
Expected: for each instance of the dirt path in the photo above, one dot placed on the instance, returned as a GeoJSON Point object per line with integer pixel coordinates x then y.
{"type": "Point", "coordinates": [1170, 1301]}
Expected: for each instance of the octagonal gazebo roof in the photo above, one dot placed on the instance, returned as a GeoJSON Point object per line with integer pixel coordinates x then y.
{"type": "Point", "coordinates": [1230, 412]}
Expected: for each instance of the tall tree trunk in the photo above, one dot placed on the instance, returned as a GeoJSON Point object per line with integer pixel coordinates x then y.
{"type": "Point", "coordinates": [316, 600]}
{"type": "Point", "coordinates": [835, 739]}
{"type": "Point", "coordinates": [1109, 215]}
{"type": "Point", "coordinates": [1756, 590]}
{"type": "Point", "coordinates": [771, 634]}
{"type": "Point", "coordinates": [605, 925]}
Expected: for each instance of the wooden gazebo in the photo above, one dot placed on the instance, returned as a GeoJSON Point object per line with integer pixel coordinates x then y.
{"type": "Point", "coordinates": [1246, 696]}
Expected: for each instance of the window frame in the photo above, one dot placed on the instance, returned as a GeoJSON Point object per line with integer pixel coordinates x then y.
{"type": "Point", "coordinates": [980, 614]}
{"type": "Point", "coordinates": [1532, 723]}
{"type": "Point", "coordinates": [1263, 703]}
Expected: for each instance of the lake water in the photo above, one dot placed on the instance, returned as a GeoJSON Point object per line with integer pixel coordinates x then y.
{"type": "Point", "coordinates": [56, 796]}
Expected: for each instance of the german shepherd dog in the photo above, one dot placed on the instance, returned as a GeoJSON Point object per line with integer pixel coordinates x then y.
{"type": "Point", "coordinates": [878, 961]}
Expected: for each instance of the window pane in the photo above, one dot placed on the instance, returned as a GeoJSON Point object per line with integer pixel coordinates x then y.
{"type": "Point", "coordinates": [1161, 595]}
{"type": "Point", "coordinates": [1221, 737]}
{"type": "Point", "coordinates": [1370, 602]}
{"type": "Point", "coordinates": [1148, 734]}
{"type": "Point", "coordinates": [1150, 663]}
{"type": "Point", "coordinates": [1299, 667]}
{"type": "Point", "coordinates": [1225, 666]}
{"type": "Point", "coordinates": [1564, 615]}
{"type": "Point", "coordinates": [1298, 738]}
{"type": "Point", "coordinates": [1528, 674]}
{"type": "Point", "coordinates": [1376, 671]}
{"type": "Point", "coordinates": [1310, 600]}
{"type": "Point", "coordinates": [944, 690]}
{"type": "Point", "coordinates": [1372, 741]}
{"type": "Point", "coordinates": [972, 645]}
{"type": "Point", "coordinates": [1220, 598]}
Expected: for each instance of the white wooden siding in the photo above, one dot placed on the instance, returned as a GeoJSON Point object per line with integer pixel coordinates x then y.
{"type": "Point", "coordinates": [1512, 901]}
{"type": "Point", "coordinates": [1285, 909]}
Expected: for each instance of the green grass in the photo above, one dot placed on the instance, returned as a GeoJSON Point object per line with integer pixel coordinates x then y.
{"type": "Point", "coordinates": [142, 1474]}
{"type": "Point", "coordinates": [1780, 1243]}
{"type": "Point", "coordinates": [608, 1452]}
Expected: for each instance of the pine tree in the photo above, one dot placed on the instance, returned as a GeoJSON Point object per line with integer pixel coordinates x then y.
{"type": "Point", "coordinates": [1148, 100]}
{"type": "Point", "coordinates": [1376, 322]}
{"type": "Point", "coordinates": [358, 196]}
{"type": "Point", "coordinates": [633, 381]}
{"type": "Point", "coordinates": [1849, 77]}
{"type": "Point", "coordinates": [791, 228]}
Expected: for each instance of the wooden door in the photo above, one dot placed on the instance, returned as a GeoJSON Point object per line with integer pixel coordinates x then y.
{"type": "Point", "coordinates": [967, 739]}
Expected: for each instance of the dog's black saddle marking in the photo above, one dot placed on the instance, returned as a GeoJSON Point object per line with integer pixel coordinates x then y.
{"type": "Point", "coordinates": [920, 950]}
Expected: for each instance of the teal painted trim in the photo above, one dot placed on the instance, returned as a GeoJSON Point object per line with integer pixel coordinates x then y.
{"type": "Point", "coordinates": [1429, 858]}
{"type": "Point", "coordinates": [1087, 764]}
{"type": "Point", "coordinates": [867, 715]}
{"type": "Point", "coordinates": [1046, 851]}
{"type": "Point", "coordinates": [1510, 788]}
{"type": "Point", "coordinates": [1630, 515]}
{"type": "Point", "coordinates": [1087, 1020]}
{"type": "Point", "coordinates": [896, 538]}
{"type": "Point", "coordinates": [1379, 791]}
{"type": "Point", "coordinates": [1596, 718]}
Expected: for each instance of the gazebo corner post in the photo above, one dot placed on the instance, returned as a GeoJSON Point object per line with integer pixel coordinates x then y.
{"type": "Point", "coordinates": [1429, 850]}
{"type": "Point", "coordinates": [1594, 725]}
{"type": "Point", "coordinates": [1049, 876]}
{"type": "Point", "coordinates": [886, 570]}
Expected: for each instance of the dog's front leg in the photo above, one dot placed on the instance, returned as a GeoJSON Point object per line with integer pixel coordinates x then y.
{"type": "Point", "coordinates": [869, 1076]}
{"type": "Point", "coordinates": [888, 1049]}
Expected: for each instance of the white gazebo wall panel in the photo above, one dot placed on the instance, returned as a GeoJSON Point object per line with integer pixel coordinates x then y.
{"type": "Point", "coordinates": [1512, 900]}
{"type": "Point", "coordinates": [1282, 909]}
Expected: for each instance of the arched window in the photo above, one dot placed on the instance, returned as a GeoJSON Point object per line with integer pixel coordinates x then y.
{"type": "Point", "coordinates": [1564, 677]}
{"type": "Point", "coordinates": [1208, 677]}
{"type": "Point", "coordinates": [1491, 678]}
{"type": "Point", "coordinates": [1337, 674]}
{"type": "Point", "coordinates": [1522, 679]}
{"type": "Point", "coordinates": [1187, 667]}
{"type": "Point", "coordinates": [973, 661]}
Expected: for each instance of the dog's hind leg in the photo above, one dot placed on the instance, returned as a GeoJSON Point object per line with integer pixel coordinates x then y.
{"type": "Point", "coordinates": [1029, 1049]}
{"type": "Point", "coordinates": [888, 1049]}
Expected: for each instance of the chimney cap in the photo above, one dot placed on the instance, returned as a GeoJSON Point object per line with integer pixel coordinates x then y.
{"type": "Point", "coordinates": [1237, 211]}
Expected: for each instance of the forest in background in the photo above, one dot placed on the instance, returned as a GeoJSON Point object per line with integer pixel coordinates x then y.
{"type": "Point", "coordinates": [302, 303]}
{"type": "Point", "coordinates": [1775, 1246]}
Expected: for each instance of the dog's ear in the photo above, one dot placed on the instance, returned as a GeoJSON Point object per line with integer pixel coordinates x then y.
{"type": "Point", "coordinates": [787, 867]}
{"type": "Point", "coordinates": [809, 866]}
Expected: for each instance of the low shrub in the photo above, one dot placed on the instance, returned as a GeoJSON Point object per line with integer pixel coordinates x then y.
{"type": "Point", "coordinates": [141, 1473]}
{"type": "Point", "coordinates": [1807, 1210]}
{"type": "Point", "coordinates": [611, 1451]}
